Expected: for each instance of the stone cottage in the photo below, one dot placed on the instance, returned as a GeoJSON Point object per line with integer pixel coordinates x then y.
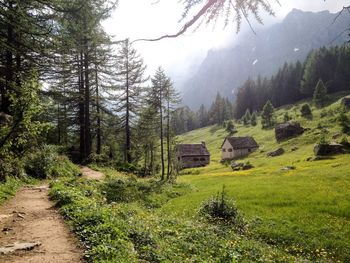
{"type": "Point", "coordinates": [237, 147]}
{"type": "Point", "coordinates": [192, 155]}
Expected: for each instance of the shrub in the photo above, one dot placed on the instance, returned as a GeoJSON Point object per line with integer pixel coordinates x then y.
{"type": "Point", "coordinates": [286, 117]}
{"type": "Point", "coordinates": [11, 166]}
{"type": "Point", "coordinates": [220, 209]}
{"type": "Point", "coordinates": [46, 163]}
{"type": "Point", "coordinates": [230, 128]}
{"type": "Point", "coordinates": [306, 111]}
{"type": "Point", "coordinates": [344, 122]}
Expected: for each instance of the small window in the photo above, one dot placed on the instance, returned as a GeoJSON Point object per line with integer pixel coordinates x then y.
{"type": "Point", "coordinates": [224, 150]}
{"type": "Point", "coordinates": [178, 158]}
{"type": "Point", "coordinates": [195, 159]}
{"type": "Point", "coordinates": [202, 159]}
{"type": "Point", "coordinates": [230, 150]}
{"type": "Point", "coordinates": [249, 150]}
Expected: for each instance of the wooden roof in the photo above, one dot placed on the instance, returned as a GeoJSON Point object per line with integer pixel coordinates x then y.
{"type": "Point", "coordinates": [241, 142]}
{"type": "Point", "coordinates": [192, 150]}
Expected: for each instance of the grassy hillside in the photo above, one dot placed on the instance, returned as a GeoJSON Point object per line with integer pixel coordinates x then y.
{"type": "Point", "coordinates": [306, 210]}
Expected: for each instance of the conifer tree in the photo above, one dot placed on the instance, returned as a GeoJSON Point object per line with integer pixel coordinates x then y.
{"type": "Point", "coordinates": [247, 117]}
{"type": "Point", "coordinates": [267, 115]}
{"type": "Point", "coordinates": [253, 119]}
{"type": "Point", "coordinates": [320, 94]}
{"type": "Point", "coordinates": [130, 78]}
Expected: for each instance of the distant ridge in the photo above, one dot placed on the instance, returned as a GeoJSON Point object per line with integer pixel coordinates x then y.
{"type": "Point", "coordinates": [224, 70]}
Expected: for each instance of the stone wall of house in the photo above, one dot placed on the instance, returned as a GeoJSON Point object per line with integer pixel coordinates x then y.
{"type": "Point", "coordinates": [227, 152]}
{"type": "Point", "coordinates": [194, 161]}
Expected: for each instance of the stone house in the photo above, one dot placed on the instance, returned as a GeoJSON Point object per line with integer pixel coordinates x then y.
{"type": "Point", "coordinates": [192, 155]}
{"type": "Point", "coordinates": [237, 147]}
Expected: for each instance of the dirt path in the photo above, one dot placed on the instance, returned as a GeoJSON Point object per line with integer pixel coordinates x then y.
{"type": "Point", "coordinates": [31, 217]}
{"type": "Point", "coordinates": [91, 174]}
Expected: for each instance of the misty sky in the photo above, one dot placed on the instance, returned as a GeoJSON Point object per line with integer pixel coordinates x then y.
{"type": "Point", "coordinates": [180, 56]}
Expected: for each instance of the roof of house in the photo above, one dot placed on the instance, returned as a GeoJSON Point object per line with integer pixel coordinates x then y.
{"type": "Point", "coordinates": [241, 142]}
{"type": "Point", "coordinates": [192, 150]}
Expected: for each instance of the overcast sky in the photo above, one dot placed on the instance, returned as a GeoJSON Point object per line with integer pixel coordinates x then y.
{"type": "Point", "coordinates": [152, 18]}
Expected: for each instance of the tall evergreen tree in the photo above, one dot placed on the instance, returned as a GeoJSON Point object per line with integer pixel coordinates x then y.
{"type": "Point", "coordinates": [267, 115]}
{"type": "Point", "coordinates": [320, 94]}
{"type": "Point", "coordinates": [130, 78]}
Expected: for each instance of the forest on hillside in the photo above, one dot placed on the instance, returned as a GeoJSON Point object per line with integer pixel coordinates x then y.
{"type": "Point", "coordinates": [66, 82]}
{"type": "Point", "coordinates": [293, 82]}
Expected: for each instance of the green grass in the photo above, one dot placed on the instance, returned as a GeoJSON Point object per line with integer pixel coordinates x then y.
{"type": "Point", "coordinates": [9, 188]}
{"type": "Point", "coordinates": [300, 215]}
{"type": "Point", "coordinates": [304, 211]}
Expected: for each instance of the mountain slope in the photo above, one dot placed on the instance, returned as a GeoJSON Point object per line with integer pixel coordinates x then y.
{"type": "Point", "coordinates": [291, 40]}
{"type": "Point", "coordinates": [304, 210]}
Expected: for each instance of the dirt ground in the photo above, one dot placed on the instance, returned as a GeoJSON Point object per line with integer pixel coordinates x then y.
{"type": "Point", "coordinates": [91, 174]}
{"type": "Point", "coordinates": [31, 217]}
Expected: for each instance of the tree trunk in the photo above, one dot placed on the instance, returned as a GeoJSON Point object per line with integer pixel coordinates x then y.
{"type": "Point", "coordinates": [161, 135]}
{"type": "Point", "coordinates": [128, 158]}
{"type": "Point", "coordinates": [98, 131]}
{"type": "Point", "coordinates": [81, 109]}
{"type": "Point", "coordinates": [87, 103]}
{"type": "Point", "coordinates": [168, 138]}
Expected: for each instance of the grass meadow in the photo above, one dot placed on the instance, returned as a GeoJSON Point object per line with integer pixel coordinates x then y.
{"type": "Point", "coordinates": [306, 209]}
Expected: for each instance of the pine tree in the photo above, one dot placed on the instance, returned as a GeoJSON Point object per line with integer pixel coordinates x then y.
{"type": "Point", "coordinates": [130, 78]}
{"type": "Point", "coordinates": [253, 119]}
{"type": "Point", "coordinates": [247, 117]}
{"type": "Point", "coordinates": [344, 122]}
{"type": "Point", "coordinates": [267, 115]}
{"type": "Point", "coordinates": [230, 128]}
{"type": "Point", "coordinates": [320, 94]}
{"type": "Point", "coordinates": [160, 86]}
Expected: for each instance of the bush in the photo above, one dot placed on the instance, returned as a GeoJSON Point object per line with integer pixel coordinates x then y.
{"type": "Point", "coordinates": [306, 111]}
{"type": "Point", "coordinates": [223, 210]}
{"type": "Point", "coordinates": [46, 163]}
{"type": "Point", "coordinates": [11, 166]}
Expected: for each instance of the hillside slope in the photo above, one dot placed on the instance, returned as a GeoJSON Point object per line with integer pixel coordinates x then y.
{"type": "Point", "coordinates": [224, 70]}
{"type": "Point", "coordinates": [305, 211]}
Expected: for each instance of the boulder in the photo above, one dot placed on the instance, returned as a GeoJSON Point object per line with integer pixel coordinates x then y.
{"type": "Point", "coordinates": [346, 102]}
{"type": "Point", "coordinates": [241, 166]}
{"type": "Point", "coordinates": [327, 149]}
{"type": "Point", "coordinates": [337, 135]}
{"type": "Point", "coordinates": [288, 168]}
{"type": "Point", "coordinates": [294, 148]}
{"type": "Point", "coordinates": [275, 153]}
{"type": "Point", "coordinates": [288, 130]}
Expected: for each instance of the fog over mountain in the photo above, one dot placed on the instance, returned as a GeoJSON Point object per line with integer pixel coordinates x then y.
{"type": "Point", "coordinates": [224, 70]}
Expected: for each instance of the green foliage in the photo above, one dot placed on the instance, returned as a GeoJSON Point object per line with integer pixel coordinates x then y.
{"type": "Point", "coordinates": [127, 232]}
{"type": "Point", "coordinates": [246, 118]}
{"type": "Point", "coordinates": [220, 209]}
{"type": "Point", "coordinates": [230, 127]}
{"type": "Point", "coordinates": [290, 209]}
{"type": "Point", "coordinates": [306, 111]}
{"type": "Point", "coordinates": [286, 117]}
{"type": "Point", "coordinates": [46, 163]}
{"type": "Point", "coordinates": [344, 122]}
{"type": "Point", "coordinates": [150, 193]}
{"type": "Point", "coordinates": [24, 131]}
{"type": "Point", "coordinates": [320, 94]}
{"type": "Point", "coordinates": [267, 115]}
{"type": "Point", "coordinates": [253, 119]}
{"type": "Point", "coordinates": [11, 166]}
{"type": "Point", "coordinates": [10, 185]}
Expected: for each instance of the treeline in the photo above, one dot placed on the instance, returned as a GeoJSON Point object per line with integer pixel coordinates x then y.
{"type": "Point", "coordinates": [293, 82]}
{"type": "Point", "coordinates": [184, 119]}
{"type": "Point", "coordinates": [97, 101]}
{"type": "Point", "coordinates": [296, 81]}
